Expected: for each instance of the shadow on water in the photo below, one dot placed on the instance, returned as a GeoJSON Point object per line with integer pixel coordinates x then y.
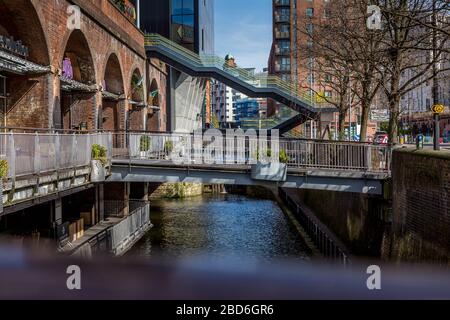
{"type": "Point", "coordinates": [220, 226]}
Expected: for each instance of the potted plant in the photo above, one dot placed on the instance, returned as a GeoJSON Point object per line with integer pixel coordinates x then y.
{"type": "Point", "coordinates": [4, 168]}
{"type": "Point", "coordinates": [144, 147]}
{"type": "Point", "coordinates": [271, 171]}
{"type": "Point", "coordinates": [168, 148]}
{"type": "Point", "coordinates": [98, 163]}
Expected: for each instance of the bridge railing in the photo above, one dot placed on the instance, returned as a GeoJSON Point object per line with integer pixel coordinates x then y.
{"type": "Point", "coordinates": [337, 155]}
{"type": "Point", "coordinates": [301, 153]}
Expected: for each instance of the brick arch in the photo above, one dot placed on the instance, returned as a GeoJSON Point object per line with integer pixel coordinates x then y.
{"type": "Point", "coordinates": [154, 100]}
{"type": "Point", "coordinates": [23, 20]}
{"type": "Point", "coordinates": [153, 115]}
{"type": "Point", "coordinates": [136, 72]}
{"type": "Point", "coordinates": [113, 61]}
{"type": "Point", "coordinates": [76, 41]}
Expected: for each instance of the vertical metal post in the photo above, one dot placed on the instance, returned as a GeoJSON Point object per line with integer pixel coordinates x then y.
{"type": "Point", "coordinates": [436, 117]}
{"type": "Point", "coordinates": [37, 155]}
{"type": "Point", "coordinates": [57, 151]}
{"type": "Point", "coordinates": [138, 14]}
{"type": "Point", "coordinates": [12, 163]}
{"type": "Point", "coordinates": [437, 136]}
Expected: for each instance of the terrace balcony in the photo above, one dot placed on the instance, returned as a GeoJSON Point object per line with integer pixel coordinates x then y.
{"type": "Point", "coordinates": [45, 165]}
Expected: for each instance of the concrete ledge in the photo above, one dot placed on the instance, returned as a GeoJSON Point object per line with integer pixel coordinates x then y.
{"type": "Point", "coordinates": [430, 153]}
{"type": "Point", "coordinates": [166, 174]}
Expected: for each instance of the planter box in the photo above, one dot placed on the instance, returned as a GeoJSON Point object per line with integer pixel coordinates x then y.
{"type": "Point", "coordinates": [98, 171]}
{"type": "Point", "coordinates": [269, 172]}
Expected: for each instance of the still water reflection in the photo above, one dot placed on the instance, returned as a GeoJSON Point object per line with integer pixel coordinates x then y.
{"type": "Point", "coordinates": [221, 226]}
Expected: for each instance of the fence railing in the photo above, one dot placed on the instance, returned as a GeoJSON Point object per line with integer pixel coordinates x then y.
{"type": "Point", "coordinates": [34, 154]}
{"type": "Point", "coordinates": [300, 153]}
{"type": "Point", "coordinates": [127, 228]}
{"type": "Point", "coordinates": [120, 208]}
{"type": "Point", "coordinates": [325, 241]}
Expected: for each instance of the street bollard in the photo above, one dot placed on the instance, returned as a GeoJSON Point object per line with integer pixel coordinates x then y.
{"type": "Point", "coordinates": [419, 141]}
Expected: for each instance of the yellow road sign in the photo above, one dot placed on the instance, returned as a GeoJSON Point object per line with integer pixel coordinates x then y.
{"type": "Point", "coordinates": [437, 108]}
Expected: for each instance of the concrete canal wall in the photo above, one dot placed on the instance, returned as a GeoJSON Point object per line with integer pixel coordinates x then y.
{"type": "Point", "coordinates": [358, 220]}
{"type": "Point", "coordinates": [421, 206]}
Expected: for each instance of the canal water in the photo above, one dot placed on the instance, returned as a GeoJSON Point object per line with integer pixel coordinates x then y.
{"type": "Point", "coordinates": [221, 226]}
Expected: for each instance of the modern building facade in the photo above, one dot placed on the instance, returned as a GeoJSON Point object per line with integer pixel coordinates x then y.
{"type": "Point", "coordinates": [189, 23]}
{"type": "Point", "coordinates": [222, 103]}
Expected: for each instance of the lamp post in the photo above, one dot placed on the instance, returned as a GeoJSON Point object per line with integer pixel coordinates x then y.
{"type": "Point", "coordinates": [436, 107]}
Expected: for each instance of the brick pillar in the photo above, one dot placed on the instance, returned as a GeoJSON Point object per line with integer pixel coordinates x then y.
{"type": "Point", "coordinates": [57, 212]}
{"type": "Point", "coordinates": [56, 215]}
{"type": "Point", "coordinates": [139, 191]}
{"type": "Point", "coordinates": [99, 202]}
{"type": "Point", "coordinates": [118, 191]}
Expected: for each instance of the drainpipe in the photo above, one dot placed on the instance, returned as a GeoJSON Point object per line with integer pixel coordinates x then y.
{"type": "Point", "coordinates": [138, 13]}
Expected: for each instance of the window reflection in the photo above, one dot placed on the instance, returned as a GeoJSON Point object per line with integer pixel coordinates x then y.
{"type": "Point", "coordinates": [183, 22]}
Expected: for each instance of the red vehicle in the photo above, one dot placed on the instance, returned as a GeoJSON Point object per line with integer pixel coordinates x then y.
{"type": "Point", "coordinates": [381, 138]}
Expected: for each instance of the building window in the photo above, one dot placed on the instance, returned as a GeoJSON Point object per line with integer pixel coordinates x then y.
{"type": "Point", "coordinates": [310, 12]}
{"type": "Point", "coordinates": [183, 22]}
{"type": "Point", "coordinates": [309, 28]}
{"type": "Point", "coordinates": [203, 39]}
{"type": "Point", "coordinates": [328, 94]}
{"type": "Point", "coordinates": [282, 15]}
{"type": "Point", "coordinates": [284, 47]}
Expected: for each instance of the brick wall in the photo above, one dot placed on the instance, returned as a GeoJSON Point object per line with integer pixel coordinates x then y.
{"type": "Point", "coordinates": [42, 26]}
{"type": "Point", "coordinates": [136, 119]}
{"type": "Point", "coordinates": [421, 206]}
{"type": "Point", "coordinates": [28, 96]}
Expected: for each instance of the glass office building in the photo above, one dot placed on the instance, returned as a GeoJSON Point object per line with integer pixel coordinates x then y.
{"type": "Point", "coordinates": [189, 23]}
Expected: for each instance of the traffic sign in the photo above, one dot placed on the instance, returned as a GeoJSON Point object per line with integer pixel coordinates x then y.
{"type": "Point", "coordinates": [379, 115]}
{"type": "Point", "coordinates": [437, 108]}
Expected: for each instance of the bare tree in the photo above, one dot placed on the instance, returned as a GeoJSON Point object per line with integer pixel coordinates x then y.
{"type": "Point", "coordinates": [396, 58]}
{"type": "Point", "coordinates": [346, 52]}
{"type": "Point", "coordinates": [411, 55]}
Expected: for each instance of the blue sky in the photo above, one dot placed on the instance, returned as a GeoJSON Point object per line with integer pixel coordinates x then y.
{"type": "Point", "coordinates": [243, 28]}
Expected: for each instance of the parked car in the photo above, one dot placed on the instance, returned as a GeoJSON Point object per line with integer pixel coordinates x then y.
{"type": "Point", "coordinates": [381, 137]}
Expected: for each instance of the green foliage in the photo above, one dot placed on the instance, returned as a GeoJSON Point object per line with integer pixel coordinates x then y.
{"type": "Point", "coordinates": [4, 167]}
{"type": "Point", "coordinates": [384, 126]}
{"type": "Point", "coordinates": [145, 143]}
{"type": "Point", "coordinates": [168, 146]}
{"type": "Point", "coordinates": [120, 4]}
{"type": "Point", "coordinates": [99, 153]}
{"type": "Point", "coordinates": [179, 191]}
{"type": "Point", "coordinates": [215, 121]}
{"type": "Point", "coordinates": [283, 156]}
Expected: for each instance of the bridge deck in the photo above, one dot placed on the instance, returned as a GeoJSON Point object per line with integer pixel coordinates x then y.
{"type": "Point", "coordinates": [161, 171]}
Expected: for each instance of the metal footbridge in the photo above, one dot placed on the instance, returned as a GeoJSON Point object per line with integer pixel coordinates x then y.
{"type": "Point", "coordinates": [240, 79]}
